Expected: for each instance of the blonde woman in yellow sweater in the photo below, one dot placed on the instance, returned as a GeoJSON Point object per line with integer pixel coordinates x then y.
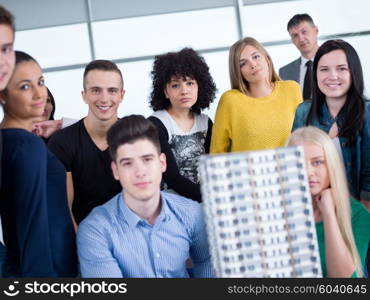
{"type": "Point", "coordinates": [258, 112]}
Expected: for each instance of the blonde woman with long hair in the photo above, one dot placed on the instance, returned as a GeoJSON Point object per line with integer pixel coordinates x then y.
{"type": "Point", "coordinates": [342, 223]}
{"type": "Point", "coordinates": [258, 112]}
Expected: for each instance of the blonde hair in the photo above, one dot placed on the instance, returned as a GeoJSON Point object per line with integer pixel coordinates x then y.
{"type": "Point", "coordinates": [338, 184]}
{"type": "Point", "coordinates": [236, 78]}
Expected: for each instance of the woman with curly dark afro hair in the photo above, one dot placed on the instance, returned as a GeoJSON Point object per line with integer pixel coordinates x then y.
{"type": "Point", "coordinates": [182, 88]}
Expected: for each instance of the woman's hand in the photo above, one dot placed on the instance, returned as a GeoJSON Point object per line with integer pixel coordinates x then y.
{"type": "Point", "coordinates": [47, 128]}
{"type": "Point", "coordinates": [325, 203]}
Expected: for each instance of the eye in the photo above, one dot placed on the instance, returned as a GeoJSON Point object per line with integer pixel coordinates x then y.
{"type": "Point", "coordinates": [190, 83]}
{"type": "Point", "coordinates": [95, 91]}
{"type": "Point", "coordinates": [42, 82]}
{"type": "Point", "coordinates": [256, 56]}
{"type": "Point", "coordinates": [7, 49]}
{"type": "Point", "coordinates": [323, 69]}
{"type": "Point", "coordinates": [126, 163]}
{"type": "Point", "coordinates": [317, 162]}
{"type": "Point", "coordinates": [25, 87]}
{"type": "Point", "coordinates": [174, 86]}
{"type": "Point", "coordinates": [113, 91]}
{"type": "Point", "coordinates": [242, 64]}
{"type": "Point", "coordinates": [148, 159]}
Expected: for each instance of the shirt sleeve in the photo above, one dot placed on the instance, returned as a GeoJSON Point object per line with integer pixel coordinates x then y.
{"type": "Point", "coordinates": [299, 117]}
{"type": "Point", "coordinates": [221, 131]}
{"type": "Point", "coordinates": [60, 145]}
{"type": "Point", "coordinates": [94, 250]}
{"type": "Point", "coordinates": [207, 144]}
{"type": "Point", "coordinates": [199, 249]}
{"type": "Point", "coordinates": [365, 157]}
{"type": "Point", "coordinates": [172, 176]}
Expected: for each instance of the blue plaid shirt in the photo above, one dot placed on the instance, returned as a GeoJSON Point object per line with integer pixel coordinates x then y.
{"type": "Point", "coordinates": [115, 242]}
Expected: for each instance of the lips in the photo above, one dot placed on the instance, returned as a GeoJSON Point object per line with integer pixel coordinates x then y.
{"type": "Point", "coordinates": [38, 104]}
{"type": "Point", "coordinates": [104, 108]}
{"type": "Point", "coordinates": [142, 185]}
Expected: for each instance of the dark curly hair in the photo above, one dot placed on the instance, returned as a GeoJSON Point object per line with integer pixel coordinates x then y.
{"type": "Point", "coordinates": [185, 63]}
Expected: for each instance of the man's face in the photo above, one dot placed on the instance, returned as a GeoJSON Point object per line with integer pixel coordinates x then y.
{"type": "Point", "coordinates": [103, 94]}
{"type": "Point", "coordinates": [139, 167]}
{"type": "Point", "coordinates": [304, 37]}
{"type": "Point", "coordinates": [7, 55]}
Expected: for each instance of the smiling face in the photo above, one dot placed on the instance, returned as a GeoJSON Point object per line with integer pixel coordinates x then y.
{"type": "Point", "coordinates": [139, 167]}
{"type": "Point", "coordinates": [304, 37]}
{"type": "Point", "coordinates": [7, 55]}
{"type": "Point", "coordinates": [253, 65]}
{"type": "Point", "coordinates": [103, 94]}
{"type": "Point", "coordinates": [333, 75]}
{"type": "Point", "coordinates": [25, 96]}
{"type": "Point", "coordinates": [181, 92]}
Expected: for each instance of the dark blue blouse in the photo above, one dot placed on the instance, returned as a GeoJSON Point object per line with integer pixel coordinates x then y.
{"type": "Point", "coordinates": [37, 227]}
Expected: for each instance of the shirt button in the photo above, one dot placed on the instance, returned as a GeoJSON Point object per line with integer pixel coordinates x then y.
{"type": "Point", "coordinates": [158, 255]}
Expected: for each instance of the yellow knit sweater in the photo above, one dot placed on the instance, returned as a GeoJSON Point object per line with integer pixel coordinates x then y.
{"type": "Point", "coordinates": [245, 123]}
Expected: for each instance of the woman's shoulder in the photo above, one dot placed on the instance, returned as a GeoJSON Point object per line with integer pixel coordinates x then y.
{"type": "Point", "coordinates": [232, 94]}
{"type": "Point", "coordinates": [21, 138]}
{"type": "Point", "coordinates": [288, 84]}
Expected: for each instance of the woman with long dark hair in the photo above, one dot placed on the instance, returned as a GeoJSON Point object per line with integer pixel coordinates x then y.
{"type": "Point", "coordinates": [339, 108]}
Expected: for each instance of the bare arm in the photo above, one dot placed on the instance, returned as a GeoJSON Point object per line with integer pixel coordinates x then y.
{"type": "Point", "coordinates": [70, 195]}
{"type": "Point", "coordinates": [339, 260]}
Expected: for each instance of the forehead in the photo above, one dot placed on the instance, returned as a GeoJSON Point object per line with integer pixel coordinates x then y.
{"type": "Point", "coordinates": [248, 50]}
{"type": "Point", "coordinates": [299, 27]}
{"type": "Point", "coordinates": [136, 149]}
{"type": "Point", "coordinates": [26, 70]}
{"type": "Point", "coordinates": [312, 150]}
{"type": "Point", "coordinates": [336, 57]}
{"type": "Point", "coordinates": [6, 34]}
{"type": "Point", "coordinates": [100, 78]}
{"type": "Point", "coordinates": [180, 78]}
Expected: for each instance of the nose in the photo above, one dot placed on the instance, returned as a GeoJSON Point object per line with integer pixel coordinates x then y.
{"type": "Point", "coordinates": [40, 92]}
{"type": "Point", "coordinates": [184, 88]}
{"type": "Point", "coordinates": [310, 169]}
{"type": "Point", "coordinates": [333, 74]}
{"type": "Point", "coordinates": [140, 170]}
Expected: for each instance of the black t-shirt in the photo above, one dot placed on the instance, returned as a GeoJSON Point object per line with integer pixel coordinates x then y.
{"type": "Point", "coordinates": [92, 175]}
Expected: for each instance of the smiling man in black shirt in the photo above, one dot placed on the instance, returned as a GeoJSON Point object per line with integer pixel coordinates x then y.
{"type": "Point", "coordinates": [82, 147]}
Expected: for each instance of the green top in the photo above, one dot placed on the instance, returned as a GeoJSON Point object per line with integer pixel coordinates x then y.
{"type": "Point", "coordinates": [361, 231]}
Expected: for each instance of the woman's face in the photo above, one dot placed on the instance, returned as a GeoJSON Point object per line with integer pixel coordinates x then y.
{"type": "Point", "coordinates": [253, 65]}
{"type": "Point", "coordinates": [333, 75]}
{"type": "Point", "coordinates": [47, 110]}
{"type": "Point", "coordinates": [26, 94]}
{"type": "Point", "coordinates": [317, 170]}
{"type": "Point", "coordinates": [182, 92]}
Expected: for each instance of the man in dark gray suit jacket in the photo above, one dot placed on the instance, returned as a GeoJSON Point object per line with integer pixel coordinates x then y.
{"type": "Point", "coordinates": [303, 33]}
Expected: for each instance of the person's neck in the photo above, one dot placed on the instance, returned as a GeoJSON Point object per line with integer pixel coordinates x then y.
{"type": "Point", "coordinates": [260, 89]}
{"type": "Point", "coordinates": [335, 105]}
{"type": "Point", "coordinates": [10, 122]}
{"type": "Point", "coordinates": [148, 210]}
{"type": "Point", "coordinates": [180, 114]}
{"type": "Point", "coordinates": [310, 55]}
{"type": "Point", "coordinates": [98, 129]}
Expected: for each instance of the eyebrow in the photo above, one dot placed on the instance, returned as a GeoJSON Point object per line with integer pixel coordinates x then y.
{"type": "Point", "coordinates": [27, 80]}
{"type": "Point", "coordinates": [123, 159]}
{"type": "Point", "coordinates": [253, 53]}
{"type": "Point", "coordinates": [319, 156]}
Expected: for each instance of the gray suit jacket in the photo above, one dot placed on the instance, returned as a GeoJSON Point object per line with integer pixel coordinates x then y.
{"type": "Point", "coordinates": [291, 71]}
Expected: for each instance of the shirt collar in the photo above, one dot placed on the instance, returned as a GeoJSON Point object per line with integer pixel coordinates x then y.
{"type": "Point", "coordinates": [304, 60]}
{"type": "Point", "coordinates": [133, 219]}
